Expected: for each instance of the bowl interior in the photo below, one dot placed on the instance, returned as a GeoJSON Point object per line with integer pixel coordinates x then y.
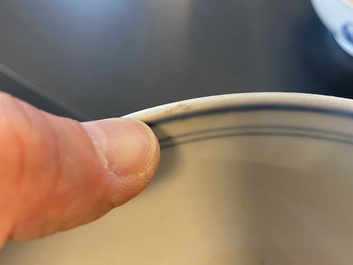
{"type": "Point", "coordinates": [244, 179]}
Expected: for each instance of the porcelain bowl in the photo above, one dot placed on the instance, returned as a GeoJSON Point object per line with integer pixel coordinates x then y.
{"type": "Point", "coordinates": [337, 15]}
{"type": "Point", "coordinates": [262, 178]}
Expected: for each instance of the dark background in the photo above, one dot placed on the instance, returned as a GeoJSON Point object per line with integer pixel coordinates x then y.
{"type": "Point", "coordinates": [102, 58]}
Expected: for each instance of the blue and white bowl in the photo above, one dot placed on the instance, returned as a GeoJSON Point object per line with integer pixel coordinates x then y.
{"type": "Point", "coordinates": [263, 178]}
{"type": "Point", "coordinates": [337, 15]}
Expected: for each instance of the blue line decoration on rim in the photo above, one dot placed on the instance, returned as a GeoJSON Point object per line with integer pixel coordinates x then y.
{"type": "Point", "coordinates": [346, 114]}
{"type": "Point", "coordinates": [347, 30]}
{"type": "Point", "coordinates": [250, 131]}
{"type": "Point", "coordinates": [256, 130]}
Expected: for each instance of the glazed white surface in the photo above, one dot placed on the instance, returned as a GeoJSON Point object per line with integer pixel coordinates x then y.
{"type": "Point", "coordinates": [336, 15]}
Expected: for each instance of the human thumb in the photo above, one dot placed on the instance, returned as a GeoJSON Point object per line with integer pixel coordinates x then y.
{"type": "Point", "coordinates": [57, 173]}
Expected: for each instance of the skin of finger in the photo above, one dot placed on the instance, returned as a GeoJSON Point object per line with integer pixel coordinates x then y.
{"type": "Point", "coordinates": [127, 184]}
{"type": "Point", "coordinates": [39, 166]}
{"type": "Point", "coordinates": [51, 173]}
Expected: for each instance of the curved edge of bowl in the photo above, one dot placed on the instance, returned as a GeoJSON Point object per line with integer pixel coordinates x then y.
{"type": "Point", "coordinates": [195, 105]}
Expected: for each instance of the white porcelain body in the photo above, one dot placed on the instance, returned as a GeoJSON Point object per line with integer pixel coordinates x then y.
{"type": "Point", "coordinates": [264, 178]}
{"type": "Point", "coordinates": [337, 15]}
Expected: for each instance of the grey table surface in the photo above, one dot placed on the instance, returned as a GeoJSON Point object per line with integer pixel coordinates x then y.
{"type": "Point", "coordinates": [112, 57]}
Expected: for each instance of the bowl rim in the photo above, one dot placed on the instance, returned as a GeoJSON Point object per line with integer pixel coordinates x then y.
{"type": "Point", "coordinates": [329, 105]}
